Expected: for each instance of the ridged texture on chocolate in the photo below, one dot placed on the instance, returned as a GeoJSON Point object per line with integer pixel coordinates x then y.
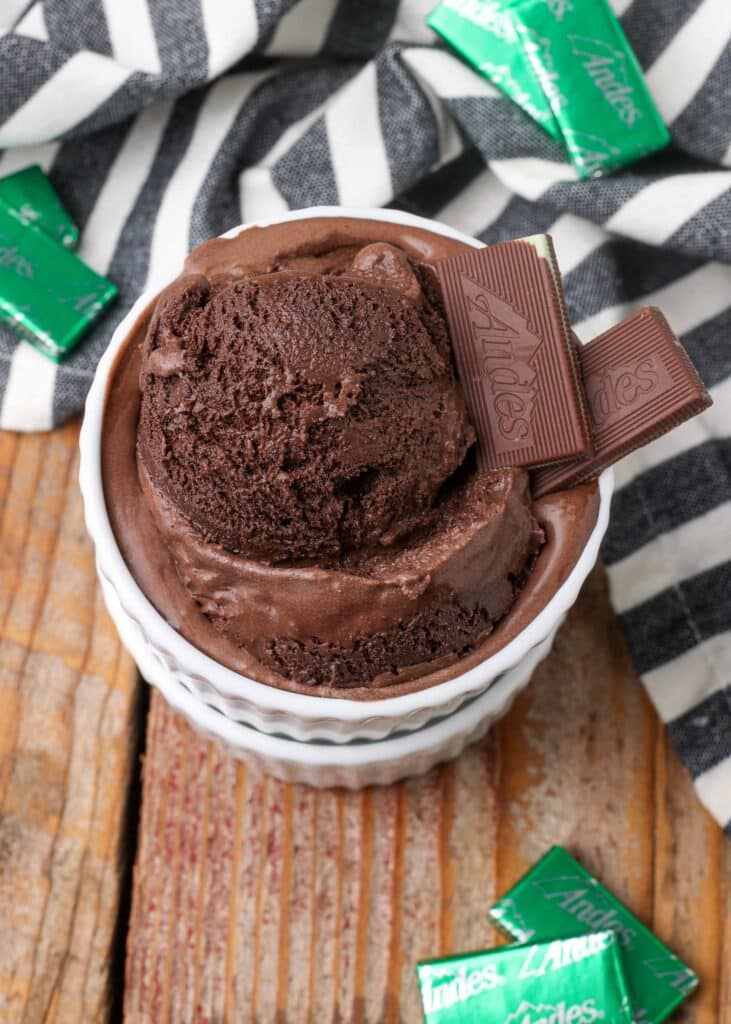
{"type": "Point", "coordinates": [299, 415]}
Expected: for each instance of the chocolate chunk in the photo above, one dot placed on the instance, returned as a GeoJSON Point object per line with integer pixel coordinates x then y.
{"type": "Point", "coordinates": [640, 384]}
{"type": "Point", "coordinates": [515, 355]}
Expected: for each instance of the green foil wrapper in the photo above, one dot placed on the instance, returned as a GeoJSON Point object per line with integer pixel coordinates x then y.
{"type": "Point", "coordinates": [573, 53]}
{"type": "Point", "coordinates": [486, 35]}
{"type": "Point", "coordinates": [566, 981]}
{"type": "Point", "coordinates": [559, 897]}
{"type": "Point", "coordinates": [47, 295]}
{"type": "Point", "coordinates": [30, 196]}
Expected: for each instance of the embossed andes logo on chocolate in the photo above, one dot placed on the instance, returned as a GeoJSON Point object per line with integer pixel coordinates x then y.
{"type": "Point", "coordinates": [586, 1012]}
{"type": "Point", "coordinates": [505, 348]}
{"type": "Point", "coordinates": [607, 69]}
{"type": "Point", "coordinates": [617, 390]}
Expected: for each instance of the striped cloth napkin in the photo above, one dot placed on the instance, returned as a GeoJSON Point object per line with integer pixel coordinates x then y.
{"type": "Point", "coordinates": [353, 102]}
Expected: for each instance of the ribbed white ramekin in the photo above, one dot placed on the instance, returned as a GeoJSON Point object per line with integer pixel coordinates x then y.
{"type": "Point", "coordinates": [240, 699]}
{"type": "Point", "coordinates": [353, 765]}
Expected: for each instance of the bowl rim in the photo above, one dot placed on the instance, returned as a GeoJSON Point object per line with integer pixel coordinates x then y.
{"type": "Point", "coordinates": [159, 633]}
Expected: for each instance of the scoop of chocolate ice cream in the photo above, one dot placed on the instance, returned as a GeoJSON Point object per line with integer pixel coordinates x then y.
{"type": "Point", "coordinates": [302, 414]}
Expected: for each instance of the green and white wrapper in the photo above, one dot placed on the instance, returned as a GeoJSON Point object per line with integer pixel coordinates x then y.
{"type": "Point", "coordinates": [559, 897]}
{"type": "Point", "coordinates": [47, 295]}
{"type": "Point", "coordinates": [568, 64]}
{"type": "Point", "coordinates": [29, 196]}
{"type": "Point", "coordinates": [566, 981]}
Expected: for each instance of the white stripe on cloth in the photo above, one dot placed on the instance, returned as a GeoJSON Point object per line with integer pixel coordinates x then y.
{"type": "Point", "coordinates": [660, 209]}
{"type": "Point", "coordinates": [10, 11]}
{"type": "Point", "coordinates": [575, 238]}
{"type": "Point", "coordinates": [357, 149]}
{"type": "Point", "coordinates": [132, 35]}
{"type": "Point", "coordinates": [714, 789]}
{"type": "Point", "coordinates": [478, 205]}
{"type": "Point", "coordinates": [451, 142]}
{"type": "Point", "coordinates": [69, 96]}
{"type": "Point", "coordinates": [170, 238]}
{"type": "Point", "coordinates": [259, 197]}
{"type": "Point", "coordinates": [230, 34]}
{"type": "Point", "coordinates": [620, 6]}
{"type": "Point", "coordinates": [31, 406]}
{"type": "Point", "coordinates": [448, 76]}
{"type": "Point", "coordinates": [714, 422]}
{"type": "Point", "coordinates": [686, 302]}
{"type": "Point", "coordinates": [33, 24]}
{"type": "Point", "coordinates": [126, 177]}
{"type": "Point", "coordinates": [680, 684]}
{"type": "Point", "coordinates": [410, 22]}
{"type": "Point", "coordinates": [302, 31]}
{"type": "Point", "coordinates": [13, 160]}
{"type": "Point", "coordinates": [683, 66]}
{"type": "Point", "coordinates": [530, 177]}
{"type": "Point", "coordinates": [698, 545]}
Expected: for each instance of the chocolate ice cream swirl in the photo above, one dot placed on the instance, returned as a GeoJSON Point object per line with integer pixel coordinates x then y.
{"type": "Point", "coordinates": [305, 504]}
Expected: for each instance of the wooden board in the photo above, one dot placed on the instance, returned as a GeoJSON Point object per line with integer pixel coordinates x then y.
{"type": "Point", "coordinates": [68, 742]}
{"type": "Point", "coordinates": [257, 901]}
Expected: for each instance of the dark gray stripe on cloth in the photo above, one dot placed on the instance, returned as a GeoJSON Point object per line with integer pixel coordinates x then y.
{"type": "Point", "coordinates": [675, 620]}
{"type": "Point", "coordinates": [702, 736]}
{"type": "Point", "coordinates": [129, 265]}
{"type": "Point", "coordinates": [430, 195]}
{"type": "Point", "coordinates": [619, 271]}
{"type": "Point", "coordinates": [704, 126]}
{"type": "Point", "coordinates": [707, 234]}
{"type": "Point", "coordinates": [25, 65]}
{"type": "Point", "coordinates": [81, 166]}
{"type": "Point", "coordinates": [181, 42]}
{"type": "Point", "coordinates": [519, 218]}
{"type": "Point", "coordinates": [500, 130]}
{"type": "Point", "coordinates": [78, 25]}
{"type": "Point", "coordinates": [408, 125]}
{"type": "Point", "coordinates": [650, 26]}
{"type": "Point", "coordinates": [8, 344]}
{"type": "Point", "coordinates": [273, 106]}
{"type": "Point", "coordinates": [358, 29]}
{"type": "Point", "coordinates": [668, 496]}
{"type": "Point", "coordinates": [305, 175]}
{"type": "Point", "coordinates": [708, 346]}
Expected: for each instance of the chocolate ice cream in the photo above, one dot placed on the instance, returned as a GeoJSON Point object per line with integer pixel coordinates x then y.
{"type": "Point", "coordinates": [303, 502]}
{"type": "Point", "coordinates": [302, 414]}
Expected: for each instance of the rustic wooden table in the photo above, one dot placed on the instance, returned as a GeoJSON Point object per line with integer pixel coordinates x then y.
{"type": "Point", "coordinates": [258, 901]}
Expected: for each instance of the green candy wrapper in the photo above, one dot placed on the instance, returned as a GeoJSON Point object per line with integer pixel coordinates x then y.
{"type": "Point", "coordinates": [31, 197]}
{"type": "Point", "coordinates": [566, 981]}
{"type": "Point", "coordinates": [558, 897]}
{"type": "Point", "coordinates": [47, 295]}
{"type": "Point", "coordinates": [575, 55]}
{"type": "Point", "coordinates": [486, 35]}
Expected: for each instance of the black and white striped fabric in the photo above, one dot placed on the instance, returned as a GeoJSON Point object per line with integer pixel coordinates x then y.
{"type": "Point", "coordinates": [164, 122]}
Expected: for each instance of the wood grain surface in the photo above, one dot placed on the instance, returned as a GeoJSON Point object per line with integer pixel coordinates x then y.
{"type": "Point", "coordinates": [68, 724]}
{"type": "Point", "coordinates": [258, 901]}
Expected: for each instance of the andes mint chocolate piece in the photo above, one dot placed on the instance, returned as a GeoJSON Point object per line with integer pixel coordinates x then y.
{"type": "Point", "coordinates": [558, 897]}
{"type": "Point", "coordinates": [564, 981]}
{"type": "Point", "coordinates": [639, 383]}
{"type": "Point", "coordinates": [515, 354]}
{"type": "Point", "coordinates": [47, 295]}
{"type": "Point", "coordinates": [28, 195]}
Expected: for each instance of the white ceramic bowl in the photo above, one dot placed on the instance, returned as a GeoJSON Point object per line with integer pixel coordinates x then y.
{"type": "Point", "coordinates": [270, 710]}
{"type": "Point", "coordinates": [353, 765]}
